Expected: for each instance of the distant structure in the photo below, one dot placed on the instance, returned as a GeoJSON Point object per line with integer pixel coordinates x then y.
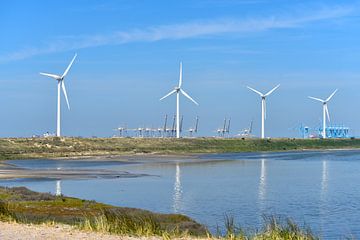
{"type": "Point", "coordinates": [152, 132]}
{"type": "Point", "coordinates": [263, 107]}
{"type": "Point", "coordinates": [305, 131]}
{"type": "Point", "coordinates": [173, 129]}
{"type": "Point", "coordinates": [194, 129]}
{"type": "Point", "coordinates": [47, 134]}
{"type": "Point", "coordinates": [325, 112]}
{"type": "Point", "coordinates": [335, 131]}
{"type": "Point", "coordinates": [139, 132]}
{"type": "Point", "coordinates": [247, 132]}
{"type": "Point", "coordinates": [162, 132]}
{"type": "Point", "coordinates": [61, 84]}
{"type": "Point", "coordinates": [225, 130]}
{"type": "Point", "coordinates": [331, 131]}
{"type": "Point", "coordinates": [122, 131]}
{"type": "Point", "coordinates": [178, 90]}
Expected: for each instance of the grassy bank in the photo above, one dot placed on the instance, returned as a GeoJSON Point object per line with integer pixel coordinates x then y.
{"type": "Point", "coordinates": [22, 148]}
{"type": "Point", "coordinates": [24, 206]}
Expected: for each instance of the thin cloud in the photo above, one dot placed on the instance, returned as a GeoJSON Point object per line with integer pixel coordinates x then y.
{"type": "Point", "coordinates": [179, 31]}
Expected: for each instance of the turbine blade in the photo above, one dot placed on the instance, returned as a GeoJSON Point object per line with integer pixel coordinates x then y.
{"type": "Point", "coordinates": [180, 78]}
{"type": "Point", "coordinates": [187, 95]}
{"type": "Point", "coordinates": [272, 90]}
{"type": "Point", "coordinates": [317, 99]}
{"type": "Point", "coordinates": [68, 68]}
{"type": "Point", "coordinates": [173, 91]}
{"type": "Point", "coordinates": [327, 112]}
{"type": "Point", "coordinates": [51, 75]}
{"type": "Point", "coordinates": [254, 90]}
{"type": "Point", "coordinates": [328, 99]}
{"type": "Point", "coordinates": [65, 94]}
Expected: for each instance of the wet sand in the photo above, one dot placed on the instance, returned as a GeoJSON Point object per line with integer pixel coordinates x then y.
{"type": "Point", "coordinates": [11, 171]}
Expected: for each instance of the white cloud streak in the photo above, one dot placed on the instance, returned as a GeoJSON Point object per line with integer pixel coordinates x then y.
{"type": "Point", "coordinates": [188, 30]}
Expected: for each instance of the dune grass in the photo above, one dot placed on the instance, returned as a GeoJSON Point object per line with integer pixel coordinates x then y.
{"type": "Point", "coordinates": [25, 148]}
{"type": "Point", "coordinates": [21, 205]}
{"type": "Point", "coordinates": [274, 228]}
{"type": "Point", "coordinates": [24, 206]}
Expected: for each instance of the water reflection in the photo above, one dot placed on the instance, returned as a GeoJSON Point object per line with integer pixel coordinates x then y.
{"type": "Point", "coordinates": [177, 190]}
{"type": "Point", "coordinates": [324, 178]}
{"type": "Point", "coordinates": [262, 190]}
{"type": "Point", "coordinates": [58, 188]}
{"type": "Point", "coordinates": [323, 192]}
{"type": "Point", "coordinates": [262, 182]}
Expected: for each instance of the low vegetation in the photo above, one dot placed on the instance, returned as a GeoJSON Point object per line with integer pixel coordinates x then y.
{"type": "Point", "coordinates": [273, 228]}
{"type": "Point", "coordinates": [22, 205]}
{"type": "Point", "coordinates": [24, 148]}
{"type": "Point", "coordinates": [25, 206]}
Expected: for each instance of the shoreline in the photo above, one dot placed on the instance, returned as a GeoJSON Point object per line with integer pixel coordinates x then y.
{"type": "Point", "coordinates": [129, 148]}
{"type": "Point", "coordinates": [172, 156]}
{"type": "Point", "coordinates": [9, 171]}
{"type": "Point", "coordinates": [126, 157]}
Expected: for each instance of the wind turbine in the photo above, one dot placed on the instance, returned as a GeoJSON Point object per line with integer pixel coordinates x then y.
{"type": "Point", "coordinates": [61, 84]}
{"type": "Point", "coordinates": [325, 110]}
{"type": "Point", "coordinates": [178, 90]}
{"type": "Point", "coordinates": [263, 106]}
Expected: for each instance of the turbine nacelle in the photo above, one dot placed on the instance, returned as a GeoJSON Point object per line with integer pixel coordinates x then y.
{"type": "Point", "coordinates": [178, 89]}
{"type": "Point", "coordinates": [325, 102]}
{"type": "Point", "coordinates": [263, 106]}
{"type": "Point", "coordinates": [60, 79]}
{"type": "Point", "coordinates": [61, 85]}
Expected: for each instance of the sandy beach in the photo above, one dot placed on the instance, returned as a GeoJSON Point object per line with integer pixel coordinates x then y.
{"type": "Point", "coordinates": [15, 231]}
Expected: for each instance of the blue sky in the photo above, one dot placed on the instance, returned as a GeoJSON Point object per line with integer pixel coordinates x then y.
{"type": "Point", "coordinates": [129, 54]}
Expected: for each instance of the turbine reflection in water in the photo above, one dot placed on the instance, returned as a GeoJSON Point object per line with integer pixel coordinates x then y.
{"type": "Point", "coordinates": [262, 182]}
{"type": "Point", "coordinates": [262, 190]}
{"type": "Point", "coordinates": [177, 190]}
{"type": "Point", "coordinates": [58, 184]}
{"type": "Point", "coordinates": [323, 193]}
{"type": "Point", "coordinates": [324, 178]}
{"type": "Point", "coordinates": [58, 188]}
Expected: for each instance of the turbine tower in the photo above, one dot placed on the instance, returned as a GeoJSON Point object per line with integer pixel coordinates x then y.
{"type": "Point", "coordinates": [325, 110]}
{"type": "Point", "coordinates": [263, 107]}
{"type": "Point", "coordinates": [178, 90]}
{"type": "Point", "coordinates": [61, 84]}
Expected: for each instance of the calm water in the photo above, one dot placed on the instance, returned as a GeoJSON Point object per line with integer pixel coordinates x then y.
{"type": "Point", "coordinates": [320, 189]}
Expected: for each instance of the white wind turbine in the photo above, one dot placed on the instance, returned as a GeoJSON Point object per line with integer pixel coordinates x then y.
{"type": "Point", "coordinates": [177, 90]}
{"type": "Point", "coordinates": [325, 111]}
{"type": "Point", "coordinates": [61, 84]}
{"type": "Point", "coordinates": [263, 107]}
